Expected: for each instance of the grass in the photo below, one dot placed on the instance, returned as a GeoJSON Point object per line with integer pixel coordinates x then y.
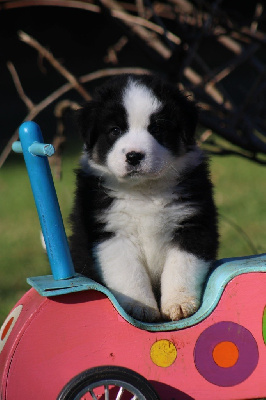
{"type": "Point", "coordinates": [240, 193]}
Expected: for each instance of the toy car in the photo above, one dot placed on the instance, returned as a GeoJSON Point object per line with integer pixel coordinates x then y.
{"type": "Point", "coordinates": [68, 338]}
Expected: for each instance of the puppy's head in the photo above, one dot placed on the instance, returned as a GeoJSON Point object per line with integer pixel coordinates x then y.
{"type": "Point", "coordinates": [136, 128]}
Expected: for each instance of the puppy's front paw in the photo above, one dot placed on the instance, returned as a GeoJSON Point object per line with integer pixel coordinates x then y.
{"type": "Point", "coordinates": [177, 309]}
{"type": "Point", "coordinates": [142, 312]}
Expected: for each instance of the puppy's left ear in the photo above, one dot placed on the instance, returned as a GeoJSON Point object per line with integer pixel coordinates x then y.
{"type": "Point", "coordinates": [190, 120]}
{"type": "Point", "coordinates": [85, 118]}
{"type": "Point", "coordinates": [186, 114]}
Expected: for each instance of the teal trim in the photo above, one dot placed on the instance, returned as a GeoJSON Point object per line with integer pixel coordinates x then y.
{"type": "Point", "coordinates": [41, 149]}
{"type": "Point", "coordinates": [36, 149]}
{"type": "Point", "coordinates": [225, 270]}
{"type": "Point", "coordinates": [16, 147]}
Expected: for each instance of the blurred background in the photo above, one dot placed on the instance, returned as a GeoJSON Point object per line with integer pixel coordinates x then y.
{"type": "Point", "coordinates": [53, 53]}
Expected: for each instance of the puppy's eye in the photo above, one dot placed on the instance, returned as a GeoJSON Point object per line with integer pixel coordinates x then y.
{"type": "Point", "coordinates": [154, 129]}
{"type": "Point", "coordinates": [115, 131]}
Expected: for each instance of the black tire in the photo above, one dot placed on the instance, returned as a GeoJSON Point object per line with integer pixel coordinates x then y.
{"type": "Point", "coordinates": [119, 377]}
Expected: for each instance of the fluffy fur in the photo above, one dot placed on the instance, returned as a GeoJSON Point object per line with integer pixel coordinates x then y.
{"type": "Point", "coordinates": [144, 221]}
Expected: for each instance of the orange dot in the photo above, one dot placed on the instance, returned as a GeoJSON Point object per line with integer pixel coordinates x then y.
{"type": "Point", "coordinates": [225, 354]}
{"type": "Point", "coordinates": [6, 328]}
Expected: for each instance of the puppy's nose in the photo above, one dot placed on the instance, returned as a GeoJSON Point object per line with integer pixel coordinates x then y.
{"type": "Point", "coordinates": [134, 158]}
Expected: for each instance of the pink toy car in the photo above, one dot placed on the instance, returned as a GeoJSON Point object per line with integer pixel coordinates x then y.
{"type": "Point", "coordinates": [68, 338]}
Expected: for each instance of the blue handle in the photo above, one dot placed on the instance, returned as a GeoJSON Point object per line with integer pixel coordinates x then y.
{"type": "Point", "coordinates": [35, 151]}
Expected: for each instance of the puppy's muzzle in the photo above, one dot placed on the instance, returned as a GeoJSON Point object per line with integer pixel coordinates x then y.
{"type": "Point", "coordinates": [134, 158]}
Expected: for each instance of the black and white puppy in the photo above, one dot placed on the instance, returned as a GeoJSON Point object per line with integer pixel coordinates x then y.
{"type": "Point", "coordinates": [144, 221]}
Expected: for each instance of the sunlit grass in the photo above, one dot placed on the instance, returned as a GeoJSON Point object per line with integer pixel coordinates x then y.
{"type": "Point", "coordinates": [240, 193]}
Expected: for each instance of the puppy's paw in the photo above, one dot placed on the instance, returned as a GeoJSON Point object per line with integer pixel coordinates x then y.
{"type": "Point", "coordinates": [178, 309]}
{"type": "Point", "coordinates": [142, 312]}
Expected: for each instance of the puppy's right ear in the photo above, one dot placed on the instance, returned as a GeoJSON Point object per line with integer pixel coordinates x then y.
{"type": "Point", "coordinates": [85, 117]}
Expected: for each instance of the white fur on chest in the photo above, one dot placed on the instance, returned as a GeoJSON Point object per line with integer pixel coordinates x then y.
{"type": "Point", "coordinates": [141, 256]}
{"type": "Point", "coordinates": [148, 221]}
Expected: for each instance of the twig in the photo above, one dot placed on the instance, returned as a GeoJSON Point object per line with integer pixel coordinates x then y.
{"type": "Point", "coordinates": [258, 13]}
{"type": "Point", "coordinates": [60, 138]}
{"type": "Point", "coordinates": [17, 83]}
{"type": "Point", "coordinates": [24, 37]}
{"type": "Point", "coordinates": [147, 24]}
{"type": "Point", "coordinates": [104, 73]}
{"type": "Point", "coordinates": [112, 52]}
{"type": "Point", "coordinates": [140, 8]}
{"type": "Point", "coordinates": [205, 136]}
{"type": "Point", "coordinates": [80, 4]}
{"type": "Point", "coordinates": [223, 71]}
{"type": "Point", "coordinates": [84, 5]}
{"type": "Point", "coordinates": [116, 10]}
{"type": "Point", "coordinates": [215, 94]}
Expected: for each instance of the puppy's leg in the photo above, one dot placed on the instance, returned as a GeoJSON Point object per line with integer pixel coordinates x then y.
{"type": "Point", "coordinates": [181, 284]}
{"type": "Point", "coordinates": [123, 273]}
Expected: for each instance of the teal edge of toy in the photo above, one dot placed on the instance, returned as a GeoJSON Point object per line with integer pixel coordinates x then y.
{"type": "Point", "coordinates": [225, 270]}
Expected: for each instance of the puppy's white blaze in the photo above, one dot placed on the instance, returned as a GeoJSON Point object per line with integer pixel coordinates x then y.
{"type": "Point", "coordinates": [156, 158]}
{"type": "Point", "coordinates": [139, 102]}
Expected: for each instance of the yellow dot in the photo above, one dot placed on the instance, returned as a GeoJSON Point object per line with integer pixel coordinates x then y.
{"type": "Point", "coordinates": [163, 353]}
{"type": "Point", "coordinates": [225, 354]}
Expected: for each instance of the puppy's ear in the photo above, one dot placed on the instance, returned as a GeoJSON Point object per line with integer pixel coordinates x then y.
{"type": "Point", "coordinates": [186, 113]}
{"type": "Point", "coordinates": [190, 120]}
{"type": "Point", "coordinates": [85, 118]}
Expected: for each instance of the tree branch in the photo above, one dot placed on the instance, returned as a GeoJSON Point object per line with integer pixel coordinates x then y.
{"type": "Point", "coordinates": [18, 86]}
{"type": "Point", "coordinates": [24, 37]}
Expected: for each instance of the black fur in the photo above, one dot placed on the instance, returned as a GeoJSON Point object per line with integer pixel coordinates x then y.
{"type": "Point", "coordinates": [90, 200]}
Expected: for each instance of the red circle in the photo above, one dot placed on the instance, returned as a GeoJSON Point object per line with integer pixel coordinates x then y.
{"type": "Point", "coordinates": [225, 354]}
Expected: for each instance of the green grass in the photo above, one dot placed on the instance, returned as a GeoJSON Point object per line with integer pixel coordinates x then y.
{"type": "Point", "coordinates": [240, 193]}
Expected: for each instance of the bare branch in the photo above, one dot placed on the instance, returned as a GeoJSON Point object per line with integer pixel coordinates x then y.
{"type": "Point", "coordinates": [139, 29]}
{"type": "Point", "coordinates": [24, 37]}
{"type": "Point", "coordinates": [258, 13]}
{"type": "Point", "coordinates": [197, 80]}
{"type": "Point", "coordinates": [80, 4]}
{"type": "Point", "coordinates": [20, 90]}
{"type": "Point", "coordinates": [149, 25]}
{"type": "Point", "coordinates": [60, 138]}
{"type": "Point", "coordinates": [104, 73]}
{"type": "Point", "coordinates": [112, 52]}
{"type": "Point", "coordinates": [205, 136]}
{"type": "Point", "coordinates": [141, 8]}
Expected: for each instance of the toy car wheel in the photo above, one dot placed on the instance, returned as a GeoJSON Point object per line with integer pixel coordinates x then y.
{"type": "Point", "coordinates": [108, 383]}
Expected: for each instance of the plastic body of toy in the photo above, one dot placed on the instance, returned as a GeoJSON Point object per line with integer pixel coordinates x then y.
{"type": "Point", "coordinates": [76, 342]}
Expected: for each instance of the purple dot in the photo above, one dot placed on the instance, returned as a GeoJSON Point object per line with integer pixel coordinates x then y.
{"type": "Point", "coordinates": [243, 340]}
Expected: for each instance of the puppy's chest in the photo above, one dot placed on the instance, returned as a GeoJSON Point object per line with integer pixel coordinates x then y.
{"type": "Point", "coordinates": [144, 218]}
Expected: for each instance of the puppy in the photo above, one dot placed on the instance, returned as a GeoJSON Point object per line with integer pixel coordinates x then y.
{"type": "Point", "coordinates": [144, 222]}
